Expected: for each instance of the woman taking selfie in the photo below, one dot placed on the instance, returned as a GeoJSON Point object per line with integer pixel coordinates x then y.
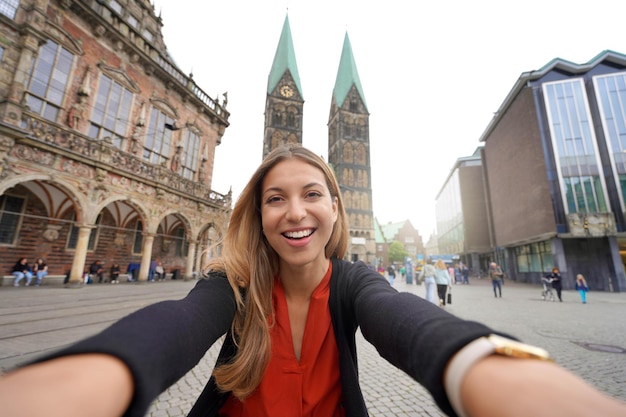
{"type": "Point", "coordinates": [289, 307]}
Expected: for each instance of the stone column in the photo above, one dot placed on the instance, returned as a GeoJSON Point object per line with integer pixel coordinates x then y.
{"type": "Point", "coordinates": [78, 264]}
{"type": "Point", "coordinates": [199, 252]}
{"type": "Point", "coordinates": [146, 257]}
{"type": "Point", "coordinates": [191, 255]}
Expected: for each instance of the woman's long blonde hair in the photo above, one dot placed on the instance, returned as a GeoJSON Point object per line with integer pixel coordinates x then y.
{"type": "Point", "coordinates": [251, 265]}
{"type": "Point", "coordinates": [440, 264]}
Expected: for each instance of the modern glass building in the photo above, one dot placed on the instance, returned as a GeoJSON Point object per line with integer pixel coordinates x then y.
{"type": "Point", "coordinates": [555, 173]}
{"type": "Point", "coordinates": [462, 227]}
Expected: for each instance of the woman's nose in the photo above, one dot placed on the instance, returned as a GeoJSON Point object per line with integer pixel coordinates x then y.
{"type": "Point", "coordinates": [296, 211]}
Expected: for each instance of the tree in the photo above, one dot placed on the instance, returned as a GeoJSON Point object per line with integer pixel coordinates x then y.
{"type": "Point", "coordinates": [397, 252]}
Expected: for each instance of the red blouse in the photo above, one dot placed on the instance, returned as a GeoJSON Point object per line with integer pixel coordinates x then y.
{"type": "Point", "coordinates": [308, 388]}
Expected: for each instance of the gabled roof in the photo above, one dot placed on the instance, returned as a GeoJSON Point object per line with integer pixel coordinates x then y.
{"type": "Point", "coordinates": [284, 59]}
{"type": "Point", "coordinates": [390, 230]}
{"type": "Point", "coordinates": [555, 64]}
{"type": "Point", "coordinates": [347, 75]}
{"type": "Point", "coordinates": [378, 234]}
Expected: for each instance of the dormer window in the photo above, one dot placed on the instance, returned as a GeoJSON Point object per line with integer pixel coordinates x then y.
{"type": "Point", "coordinates": [116, 6]}
{"type": "Point", "coordinates": [148, 35]}
{"type": "Point", "coordinates": [9, 7]}
{"type": "Point", "coordinates": [132, 21]}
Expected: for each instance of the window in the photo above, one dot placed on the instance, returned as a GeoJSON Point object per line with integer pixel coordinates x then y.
{"type": "Point", "coordinates": [575, 147]}
{"type": "Point", "coordinates": [158, 139]}
{"type": "Point", "coordinates": [72, 238]}
{"type": "Point", "coordinates": [48, 80]}
{"type": "Point", "coordinates": [148, 35]}
{"type": "Point", "coordinates": [181, 243]}
{"type": "Point", "coordinates": [115, 5]}
{"type": "Point", "coordinates": [132, 21]}
{"type": "Point", "coordinates": [111, 111]}
{"type": "Point", "coordinates": [138, 242]}
{"type": "Point", "coordinates": [191, 153]}
{"type": "Point", "coordinates": [10, 215]}
{"type": "Point", "coordinates": [9, 7]}
{"type": "Point", "coordinates": [611, 96]}
{"type": "Point", "coordinates": [536, 257]}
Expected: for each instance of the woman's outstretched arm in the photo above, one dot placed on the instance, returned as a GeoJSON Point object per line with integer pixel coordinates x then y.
{"type": "Point", "coordinates": [95, 385]}
{"type": "Point", "coordinates": [499, 386]}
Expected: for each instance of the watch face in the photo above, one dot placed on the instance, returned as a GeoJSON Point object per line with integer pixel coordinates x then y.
{"type": "Point", "coordinates": [286, 91]}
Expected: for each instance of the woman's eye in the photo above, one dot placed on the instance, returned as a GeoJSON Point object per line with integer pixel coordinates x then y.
{"type": "Point", "coordinates": [273, 199]}
{"type": "Point", "coordinates": [313, 194]}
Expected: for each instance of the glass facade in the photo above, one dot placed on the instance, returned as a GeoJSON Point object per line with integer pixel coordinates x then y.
{"type": "Point", "coordinates": [536, 257]}
{"type": "Point", "coordinates": [611, 96]}
{"type": "Point", "coordinates": [575, 147]}
{"type": "Point", "coordinates": [449, 211]}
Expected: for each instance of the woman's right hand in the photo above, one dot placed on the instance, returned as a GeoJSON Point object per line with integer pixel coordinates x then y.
{"type": "Point", "coordinates": [95, 385]}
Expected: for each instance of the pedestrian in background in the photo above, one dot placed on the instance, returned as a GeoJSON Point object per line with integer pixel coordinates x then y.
{"type": "Point", "coordinates": [40, 270]}
{"type": "Point", "coordinates": [442, 280]}
{"type": "Point", "coordinates": [96, 270]}
{"type": "Point", "coordinates": [115, 273]}
{"type": "Point", "coordinates": [391, 272]}
{"type": "Point", "coordinates": [582, 287]}
{"type": "Point", "coordinates": [22, 270]}
{"type": "Point", "coordinates": [555, 279]}
{"type": "Point", "coordinates": [465, 272]}
{"type": "Point", "coordinates": [159, 271]}
{"type": "Point", "coordinates": [495, 273]}
{"type": "Point", "coordinates": [430, 285]}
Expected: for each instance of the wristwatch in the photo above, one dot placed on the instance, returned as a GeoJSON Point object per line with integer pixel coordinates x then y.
{"type": "Point", "coordinates": [477, 350]}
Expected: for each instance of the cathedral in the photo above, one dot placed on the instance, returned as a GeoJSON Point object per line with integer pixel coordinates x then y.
{"type": "Point", "coordinates": [348, 135]}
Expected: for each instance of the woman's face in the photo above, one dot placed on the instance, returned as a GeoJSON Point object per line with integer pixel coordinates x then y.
{"type": "Point", "coordinates": [297, 213]}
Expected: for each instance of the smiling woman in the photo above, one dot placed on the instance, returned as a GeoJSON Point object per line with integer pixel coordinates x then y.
{"type": "Point", "coordinates": [289, 307]}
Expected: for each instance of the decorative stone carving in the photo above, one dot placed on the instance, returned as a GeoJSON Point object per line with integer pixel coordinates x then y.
{"type": "Point", "coordinates": [51, 233]}
{"type": "Point", "coordinates": [119, 239]}
{"type": "Point", "coordinates": [591, 224]}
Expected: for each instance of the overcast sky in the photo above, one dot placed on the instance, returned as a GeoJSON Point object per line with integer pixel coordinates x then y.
{"type": "Point", "coordinates": [433, 73]}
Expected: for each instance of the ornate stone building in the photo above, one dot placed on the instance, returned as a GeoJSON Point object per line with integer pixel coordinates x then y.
{"type": "Point", "coordinates": [349, 154]}
{"type": "Point", "coordinates": [284, 102]}
{"type": "Point", "coordinates": [106, 147]}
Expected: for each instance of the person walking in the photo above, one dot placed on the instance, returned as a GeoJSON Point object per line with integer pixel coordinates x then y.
{"type": "Point", "coordinates": [582, 287]}
{"type": "Point", "coordinates": [442, 280]}
{"type": "Point", "coordinates": [465, 273]}
{"type": "Point", "coordinates": [555, 280]}
{"type": "Point", "coordinates": [430, 285]}
{"type": "Point", "coordinates": [22, 270]}
{"type": "Point", "coordinates": [495, 273]}
{"type": "Point", "coordinates": [391, 272]}
{"type": "Point", "coordinates": [288, 306]}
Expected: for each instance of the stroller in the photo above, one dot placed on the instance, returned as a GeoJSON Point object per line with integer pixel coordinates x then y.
{"type": "Point", "coordinates": [547, 289]}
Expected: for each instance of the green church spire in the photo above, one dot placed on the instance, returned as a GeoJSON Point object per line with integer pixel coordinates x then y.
{"type": "Point", "coordinates": [285, 59]}
{"type": "Point", "coordinates": [347, 75]}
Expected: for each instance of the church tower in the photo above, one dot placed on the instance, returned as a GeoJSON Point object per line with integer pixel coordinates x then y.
{"type": "Point", "coordinates": [284, 102]}
{"type": "Point", "coordinates": [349, 155]}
